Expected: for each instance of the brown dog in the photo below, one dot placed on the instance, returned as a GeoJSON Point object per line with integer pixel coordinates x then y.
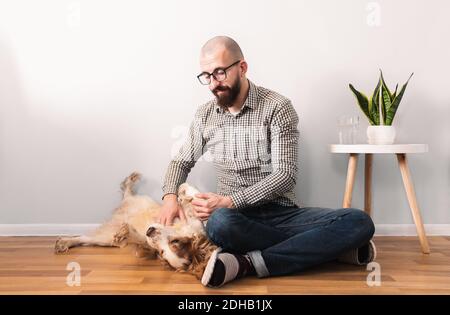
{"type": "Point", "coordinates": [184, 245]}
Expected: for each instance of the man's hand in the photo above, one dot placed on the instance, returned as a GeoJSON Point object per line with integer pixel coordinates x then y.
{"type": "Point", "coordinates": [204, 208]}
{"type": "Point", "coordinates": [170, 210]}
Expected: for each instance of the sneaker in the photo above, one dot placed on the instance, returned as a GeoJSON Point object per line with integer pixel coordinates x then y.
{"type": "Point", "coordinates": [225, 267]}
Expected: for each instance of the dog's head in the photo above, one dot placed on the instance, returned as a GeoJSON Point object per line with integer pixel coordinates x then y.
{"type": "Point", "coordinates": [159, 237]}
{"type": "Point", "coordinates": [186, 252]}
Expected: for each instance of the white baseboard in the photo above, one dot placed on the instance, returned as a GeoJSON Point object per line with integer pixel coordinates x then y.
{"type": "Point", "coordinates": [45, 229]}
{"type": "Point", "coordinates": [79, 229]}
{"type": "Point", "coordinates": [410, 229]}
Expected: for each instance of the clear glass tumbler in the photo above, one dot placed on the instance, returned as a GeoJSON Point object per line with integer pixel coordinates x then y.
{"type": "Point", "coordinates": [348, 129]}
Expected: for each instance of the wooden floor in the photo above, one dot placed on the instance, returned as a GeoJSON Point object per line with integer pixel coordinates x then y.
{"type": "Point", "coordinates": [28, 266]}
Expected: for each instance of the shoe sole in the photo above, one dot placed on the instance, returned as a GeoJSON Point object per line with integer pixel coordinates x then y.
{"type": "Point", "coordinates": [374, 250]}
{"type": "Point", "coordinates": [207, 274]}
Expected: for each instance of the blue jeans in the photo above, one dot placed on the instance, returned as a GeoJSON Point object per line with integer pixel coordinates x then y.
{"type": "Point", "coordinates": [283, 240]}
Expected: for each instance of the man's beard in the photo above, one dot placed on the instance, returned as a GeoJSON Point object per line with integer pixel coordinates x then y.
{"type": "Point", "coordinates": [229, 95]}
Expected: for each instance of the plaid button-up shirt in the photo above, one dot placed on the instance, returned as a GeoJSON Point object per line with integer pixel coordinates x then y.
{"type": "Point", "coordinates": [254, 152]}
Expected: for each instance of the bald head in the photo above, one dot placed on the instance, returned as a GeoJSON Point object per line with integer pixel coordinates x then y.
{"type": "Point", "coordinates": [224, 54]}
{"type": "Point", "coordinates": [222, 45]}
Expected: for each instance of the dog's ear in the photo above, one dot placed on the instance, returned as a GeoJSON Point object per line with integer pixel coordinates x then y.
{"type": "Point", "coordinates": [199, 240]}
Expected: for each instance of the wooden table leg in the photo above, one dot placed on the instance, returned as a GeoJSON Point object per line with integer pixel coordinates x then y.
{"type": "Point", "coordinates": [368, 183]}
{"type": "Point", "coordinates": [351, 173]}
{"type": "Point", "coordinates": [411, 195]}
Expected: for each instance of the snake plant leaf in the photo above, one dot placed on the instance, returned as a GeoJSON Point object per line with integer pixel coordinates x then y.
{"type": "Point", "coordinates": [395, 103]}
{"type": "Point", "coordinates": [375, 112]}
{"type": "Point", "coordinates": [363, 103]}
{"type": "Point", "coordinates": [385, 86]}
{"type": "Point", "coordinates": [375, 103]}
{"type": "Point", "coordinates": [395, 92]}
{"type": "Point", "coordinates": [386, 102]}
{"type": "Point", "coordinates": [387, 98]}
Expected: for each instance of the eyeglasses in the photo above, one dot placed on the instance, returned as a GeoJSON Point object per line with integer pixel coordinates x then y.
{"type": "Point", "coordinates": [219, 74]}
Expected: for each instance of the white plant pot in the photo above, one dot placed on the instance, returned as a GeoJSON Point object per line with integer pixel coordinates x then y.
{"type": "Point", "coordinates": [380, 134]}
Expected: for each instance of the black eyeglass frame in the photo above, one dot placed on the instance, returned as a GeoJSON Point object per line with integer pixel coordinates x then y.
{"type": "Point", "coordinates": [215, 71]}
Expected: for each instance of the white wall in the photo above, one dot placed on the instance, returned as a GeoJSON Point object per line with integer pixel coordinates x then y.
{"type": "Point", "coordinates": [92, 90]}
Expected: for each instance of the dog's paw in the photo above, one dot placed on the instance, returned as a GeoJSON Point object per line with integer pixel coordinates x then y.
{"type": "Point", "coordinates": [61, 246]}
{"type": "Point", "coordinates": [135, 176]}
{"type": "Point", "coordinates": [120, 238]}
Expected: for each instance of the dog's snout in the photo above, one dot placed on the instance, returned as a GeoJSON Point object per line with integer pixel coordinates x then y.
{"type": "Point", "coordinates": [150, 231]}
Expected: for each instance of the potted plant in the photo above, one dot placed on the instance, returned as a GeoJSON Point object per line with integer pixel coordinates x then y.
{"type": "Point", "coordinates": [380, 109]}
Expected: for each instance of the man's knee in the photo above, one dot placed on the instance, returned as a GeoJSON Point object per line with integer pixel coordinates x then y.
{"type": "Point", "coordinates": [220, 225]}
{"type": "Point", "coordinates": [361, 222]}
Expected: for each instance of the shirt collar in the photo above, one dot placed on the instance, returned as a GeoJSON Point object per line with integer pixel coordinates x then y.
{"type": "Point", "coordinates": [251, 101]}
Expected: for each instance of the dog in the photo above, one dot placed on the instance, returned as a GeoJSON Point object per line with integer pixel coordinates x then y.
{"type": "Point", "coordinates": [184, 246]}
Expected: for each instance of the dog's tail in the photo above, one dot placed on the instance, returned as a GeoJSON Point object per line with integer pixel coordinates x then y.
{"type": "Point", "coordinates": [128, 183]}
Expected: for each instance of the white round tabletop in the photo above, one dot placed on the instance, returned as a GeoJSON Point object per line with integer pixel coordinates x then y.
{"type": "Point", "coordinates": [381, 148]}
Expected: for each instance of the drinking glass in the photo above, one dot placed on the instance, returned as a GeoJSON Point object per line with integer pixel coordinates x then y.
{"type": "Point", "coordinates": [348, 129]}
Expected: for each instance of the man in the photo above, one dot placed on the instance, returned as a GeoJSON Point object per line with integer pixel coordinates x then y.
{"type": "Point", "coordinates": [252, 135]}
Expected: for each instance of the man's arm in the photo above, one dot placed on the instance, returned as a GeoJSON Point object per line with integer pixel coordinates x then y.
{"type": "Point", "coordinates": [184, 161]}
{"type": "Point", "coordinates": [284, 150]}
{"type": "Point", "coordinates": [179, 169]}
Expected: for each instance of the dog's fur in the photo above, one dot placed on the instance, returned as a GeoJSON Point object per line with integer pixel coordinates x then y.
{"type": "Point", "coordinates": [184, 245]}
